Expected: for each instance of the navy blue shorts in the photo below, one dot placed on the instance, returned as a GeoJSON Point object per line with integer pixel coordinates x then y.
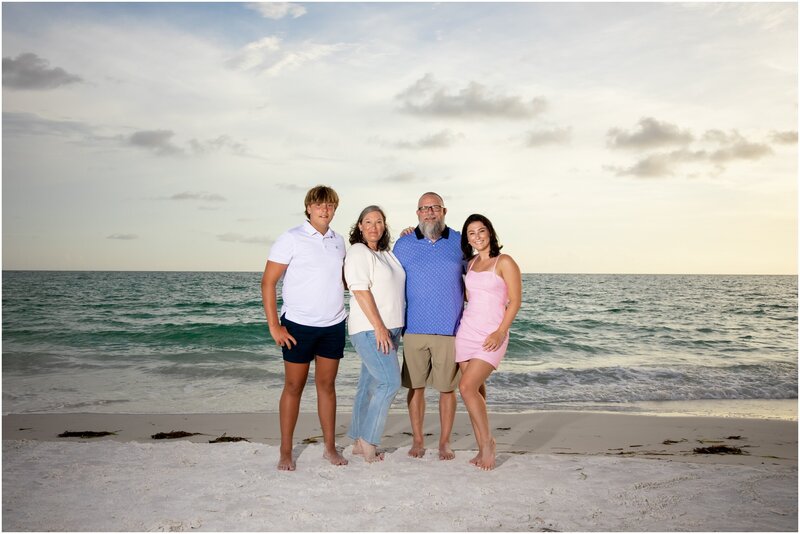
{"type": "Point", "coordinates": [323, 341]}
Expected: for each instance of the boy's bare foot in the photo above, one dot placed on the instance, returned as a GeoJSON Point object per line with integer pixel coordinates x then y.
{"type": "Point", "coordinates": [416, 451]}
{"type": "Point", "coordinates": [476, 459]}
{"type": "Point", "coordinates": [445, 452]}
{"type": "Point", "coordinates": [357, 447]}
{"type": "Point", "coordinates": [334, 457]}
{"type": "Point", "coordinates": [488, 456]}
{"type": "Point", "coordinates": [286, 462]}
{"type": "Point", "coordinates": [370, 452]}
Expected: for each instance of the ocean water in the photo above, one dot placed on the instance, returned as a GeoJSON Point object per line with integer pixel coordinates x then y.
{"type": "Point", "coordinates": [196, 342]}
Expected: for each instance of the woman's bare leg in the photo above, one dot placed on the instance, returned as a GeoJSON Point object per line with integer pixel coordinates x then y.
{"type": "Point", "coordinates": [474, 461]}
{"type": "Point", "coordinates": [473, 376]}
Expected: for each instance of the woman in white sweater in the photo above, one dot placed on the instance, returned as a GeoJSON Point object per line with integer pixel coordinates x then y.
{"type": "Point", "coordinates": [376, 281]}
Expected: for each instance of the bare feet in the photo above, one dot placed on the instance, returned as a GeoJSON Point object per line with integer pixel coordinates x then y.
{"type": "Point", "coordinates": [476, 459]}
{"type": "Point", "coordinates": [334, 457]}
{"type": "Point", "coordinates": [416, 451]}
{"type": "Point", "coordinates": [357, 447]}
{"type": "Point", "coordinates": [369, 451]}
{"type": "Point", "coordinates": [286, 463]}
{"type": "Point", "coordinates": [488, 456]}
{"type": "Point", "coordinates": [445, 452]}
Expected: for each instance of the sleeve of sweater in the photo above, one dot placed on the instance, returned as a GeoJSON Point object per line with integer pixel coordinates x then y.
{"type": "Point", "coordinates": [359, 264]}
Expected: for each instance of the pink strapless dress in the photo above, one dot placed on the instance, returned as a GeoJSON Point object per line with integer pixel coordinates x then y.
{"type": "Point", "coordinates": [488, 297]}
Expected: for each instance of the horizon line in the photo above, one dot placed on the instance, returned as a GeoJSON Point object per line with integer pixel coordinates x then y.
{"type": "Point", "coordinates": [247, 271]}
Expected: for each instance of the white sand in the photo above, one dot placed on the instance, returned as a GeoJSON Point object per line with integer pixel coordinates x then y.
{"type": "Point", "coordinates": [184, 485]}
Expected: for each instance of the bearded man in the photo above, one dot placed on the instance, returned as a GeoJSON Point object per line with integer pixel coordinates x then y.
{"type": "Point", "coordinates": [432, 259]}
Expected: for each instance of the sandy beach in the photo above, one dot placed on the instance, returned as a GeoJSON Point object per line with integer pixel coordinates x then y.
{"type": "Point", "coordinates": [563, 471]}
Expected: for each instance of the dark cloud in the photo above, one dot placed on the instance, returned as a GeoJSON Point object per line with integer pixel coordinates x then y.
{"type": "Point", "coordinates": [157, 141]}
{"type": "Point", "coordinates": [123, 237]}
{"type": "Point", "coordinates": [784, 138]}
{"type": "Point", "coordinates": [733, 146]}
{"type": "Point", "coordinates": [428, 98]}
{"type": "Point", "coordinates": [651, 134]}
{"type": "Point", "coordinates": [659, 165]}
{"type": "Point", "coordinates": [208, 197]}
{"type": "Point", "coordinates": [443, 139]}
{"type": "Point", "coordinates": [548, 137]}
{"type": "Point", "coordinates": [29, 71]}
{"type": "Point", "coordinates": [32, 124]}
{"type": "Point", "coordinates": [160, 142]}
{"type": "Point", "coordinates": [239, 238]}
{"type": "Point", "coordinates": [741, 150]}
{"type": "Point", "coordinates": [719, 149]}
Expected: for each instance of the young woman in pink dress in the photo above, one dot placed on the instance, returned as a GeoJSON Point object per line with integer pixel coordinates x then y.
{"type": "Point", "coordinates": [494, 295]}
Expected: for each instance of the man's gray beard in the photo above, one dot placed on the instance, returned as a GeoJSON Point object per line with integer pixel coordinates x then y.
{"type": "Point", "coordinates": [432, 230]}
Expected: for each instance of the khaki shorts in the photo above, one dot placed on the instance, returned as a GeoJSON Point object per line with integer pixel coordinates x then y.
{"type": "Point", "coordinates": [430, 360]}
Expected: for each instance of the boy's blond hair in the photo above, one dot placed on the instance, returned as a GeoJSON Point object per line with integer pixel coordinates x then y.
{"type": "Point", "coordinates": [321, 194]}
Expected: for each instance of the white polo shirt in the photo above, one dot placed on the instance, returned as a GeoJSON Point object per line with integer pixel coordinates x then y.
{"type": "Point", "coordinates": [313, 292]}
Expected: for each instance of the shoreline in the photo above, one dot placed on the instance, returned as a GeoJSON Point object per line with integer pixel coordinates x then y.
{"type": "Point", "coordinates": [662, 437]}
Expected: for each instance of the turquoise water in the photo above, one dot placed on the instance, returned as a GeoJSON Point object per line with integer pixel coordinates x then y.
{"type": "Point", "coordinates": [189, 342]}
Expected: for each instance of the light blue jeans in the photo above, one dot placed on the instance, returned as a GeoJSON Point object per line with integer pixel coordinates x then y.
{"type": "Point", "coordinates": [377, 386]}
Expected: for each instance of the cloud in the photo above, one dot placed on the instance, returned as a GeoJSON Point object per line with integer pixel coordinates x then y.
{"type": "Point", "coordinates": [722, 138]}
{"type": "Point", "coordinates": [428, 97]}
{"type": "Point", "coordinates": [253, 54]}
{"type": "Point", "coordinates": [442, 139]}
{"type": "Point", "coordinates": [278, 10]}
{"type": "Point", "coordinates": [209, 197]}
{"type": "Point", "coordinates": [292, 187]}
{"type": "Point", "coordinates": [29, 71]}
{"type": "Point", "coordinates": [717, 149]}
{"type": "Point", "coordinates": [734, 147]}
{"type": "Point", "coordinates": [239, 238]}
{"type": "Point", "coordinates": [742, 150]}
{"type": "Point", "coordinates": [157, 141]}
{"type": "Point", "coordinates": [651, 134]}
{"type": "Point", "coordinates": [403, 178]}
{"type": "Point", "coordinates": [556, 136]}
{"type": "Point", "coordinates": [32, 124]}
{"type": "Point", "coordinates": [215, 145]}
{"type": "Point", "coordinates": [123, 237]}
{"type": "Point", "coordinates": [784, 138]}
{"type": "Point", "coordinates": [658, 165]}
{"type": "Point", "coordinates": [268, 56]}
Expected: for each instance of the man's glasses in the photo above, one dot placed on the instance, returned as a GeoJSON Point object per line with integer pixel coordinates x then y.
{"type": "Point", "coordinates": [436, 208]}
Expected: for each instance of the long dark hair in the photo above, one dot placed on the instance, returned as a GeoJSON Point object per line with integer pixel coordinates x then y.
{"type": "Point", "coordinates": [466, 248]}
{"type": "Point", "coordinates": [357, 237]}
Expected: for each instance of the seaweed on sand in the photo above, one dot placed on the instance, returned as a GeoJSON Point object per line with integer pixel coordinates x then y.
{"type": "Point", "coordinates": [719, 449]}
{"type": "Point", "coordinates": [224, 438]}
{"type": "Point", "coordinates": [174, 434]}
{"type": "Point", "coordinates": [85, 434]}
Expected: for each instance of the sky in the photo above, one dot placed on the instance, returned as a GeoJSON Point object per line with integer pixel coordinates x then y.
{"type": "Point", "coordinates": [598, 138]}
